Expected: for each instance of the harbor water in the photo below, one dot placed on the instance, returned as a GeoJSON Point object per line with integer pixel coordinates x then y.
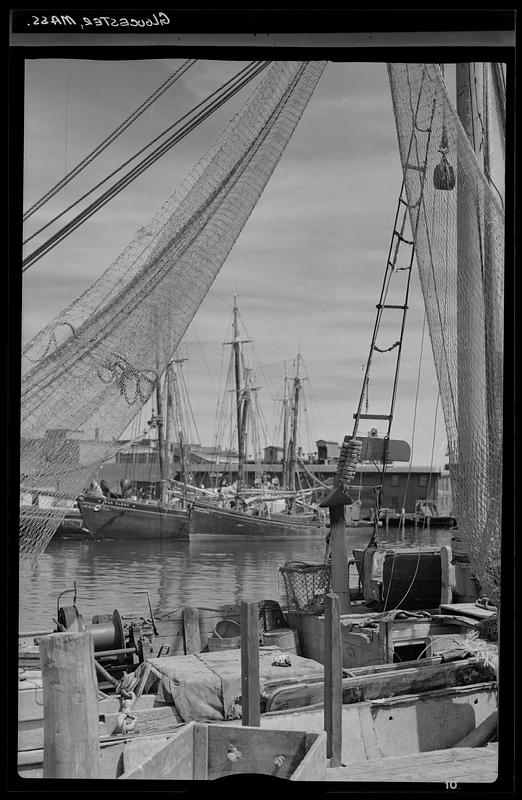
{"type": "Point", "coordinates": [115, 574]}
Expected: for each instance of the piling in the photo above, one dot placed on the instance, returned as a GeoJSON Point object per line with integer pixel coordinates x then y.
{"type": "Point", "coordinates": [70, 706]}
{"type": "Point", "coordinates": [250, 694]}
{"type": "Point", "coordinates": [340, 573]}
{"type": "Point", "coordinates": [333, 678]}
{"type": "Point", "coordinates": [446, 581]}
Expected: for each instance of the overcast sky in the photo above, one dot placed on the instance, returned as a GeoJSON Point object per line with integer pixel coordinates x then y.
{"type": "Point", "coordinates": [307, 267]}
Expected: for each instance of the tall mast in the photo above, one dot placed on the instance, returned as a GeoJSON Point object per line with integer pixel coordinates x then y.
{"type": "Point", "coordinates": [470, 316]}
{"type": "Point", "coordinates": [293, 439]}
{"type": "Point", "coordinates": [284, 464]}
{"type": "Point", "coordinates": [161, 441]}
{"type": "Point", "coordinates": [236, 345]}
{"type": "Point", "coordinates": [180, 426]}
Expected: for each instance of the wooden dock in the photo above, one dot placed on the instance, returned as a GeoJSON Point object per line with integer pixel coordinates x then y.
{"type": "Point", "coordinates": [456, 765]}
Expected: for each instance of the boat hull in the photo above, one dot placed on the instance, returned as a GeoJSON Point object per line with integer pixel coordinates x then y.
{"type": "Point", "coordinates": [111, 518]}
{"type": "Point", "coordinates": [222, 523]}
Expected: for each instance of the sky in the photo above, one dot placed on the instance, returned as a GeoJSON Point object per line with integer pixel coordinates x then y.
{"type": "Point", "coordinates": [307, 267]}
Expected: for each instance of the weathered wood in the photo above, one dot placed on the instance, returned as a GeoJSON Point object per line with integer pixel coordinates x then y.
{"type": "Point", "coordinates": [71, 737]}
{"type": "Point", "coordinates": [149, 720]}
{"type": "Point", "coordinates": [174, 760]}
{"type": "Point", "coordinates": [339, 560]}
{"type": "Point", "coordinates": [139, 749]}
{"type": "Point", "coordinates": [467, 610]}
{"type": "Point", "coordinates": [482, 733]}
{"type": "Point", "coordinates": [446, 592]}
{"type": "Point", "coordinates": [333, 679]}
{"type": "Point", "coordinates": [191, 630]}
{"type": "Point", "coordinates": [250, 710]}
{"type": "Point", "coordinates": [460, 765]}
{"type": "Point", "coordinates": [313, 765]}
{"type": "Point", "coordinates": [235, 750]}
{"type": "Point", "coordinates": [376, 685]}
{"type": "Point", "coordinates": [201, 752]}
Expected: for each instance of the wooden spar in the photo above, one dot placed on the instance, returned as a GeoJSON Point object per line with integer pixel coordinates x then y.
{"type": "Point", "coordinates": [71, 724]}
{"type": "Point", "coordinates": [168, 421]}
{"type": "Point", "coordinates": [482, 734]}
{"type": "Point", "coordinates": [161, 439]}
{"type": "Point", "coordinates": [237, 373]}
{"type": "Point", "coordinates": [333, 676]}
{"type": "Point", "coordinates": [470, 316]}
{"type": "Point", "coordinates": [293, 435]}
{"type": "Point", "coordinates": [339, 560]}
{"type": "Point", "coordinates": [179, 425]}
{"type": "Point", "coordinates": [250, 693]}
{"type": "Point", "coordinates": [284, 465]}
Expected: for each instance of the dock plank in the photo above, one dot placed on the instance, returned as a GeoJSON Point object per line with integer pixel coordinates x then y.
{"type": "Point", "coordinates": [460, 764]}
{"type": "Point", "coordinates": [466, 610]}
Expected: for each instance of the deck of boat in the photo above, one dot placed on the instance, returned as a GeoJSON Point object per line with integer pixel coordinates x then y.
{"type": "Point", "coordinates": [457, 764]}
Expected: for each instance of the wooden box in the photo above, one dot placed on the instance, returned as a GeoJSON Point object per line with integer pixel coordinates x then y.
{"type": "Point", "coordinates": [204, 752]}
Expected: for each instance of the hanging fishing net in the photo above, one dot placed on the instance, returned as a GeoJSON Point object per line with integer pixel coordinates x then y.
{"type": "Point", "coordinates": [458, 224]}
{"type": "Point", "coordinates": [93, 368]}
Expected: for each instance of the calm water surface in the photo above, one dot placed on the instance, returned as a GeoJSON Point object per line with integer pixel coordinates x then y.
{"type": "Point", "coordinates": [208, 574]}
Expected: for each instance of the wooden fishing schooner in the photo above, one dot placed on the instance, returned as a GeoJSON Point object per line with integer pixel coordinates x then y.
{"type": "Point", "coordinates": [249, 515]}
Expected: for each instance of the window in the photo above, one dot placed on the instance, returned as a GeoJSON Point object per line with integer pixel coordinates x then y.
{"type": "Point", "coordinates": [423, 480]}
{"type": "Point", "coordinates": [394, 480]}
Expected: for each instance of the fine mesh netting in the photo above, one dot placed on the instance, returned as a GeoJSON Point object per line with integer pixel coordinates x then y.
{"type": "Point", "coordinates": [93, 368]}
{"type": "Point", "coordinates": [306, 586]}
{"type": "Point", "coordinates": [458, 225]}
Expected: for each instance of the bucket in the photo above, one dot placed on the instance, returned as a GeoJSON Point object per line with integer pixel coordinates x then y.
{"type": "Point", "coordinates": [285, 638]}
{"type": "Point", "coordinates": [224, 643]}
{"type": "Point", "coordinates": [227, 628]}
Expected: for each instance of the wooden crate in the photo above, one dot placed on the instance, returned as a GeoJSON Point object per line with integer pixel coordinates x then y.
{"type": "Point", "coordinates": [204, 752]}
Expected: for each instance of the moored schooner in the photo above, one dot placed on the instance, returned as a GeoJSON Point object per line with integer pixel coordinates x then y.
{"type": "Point", "coordinates": [249, 510]}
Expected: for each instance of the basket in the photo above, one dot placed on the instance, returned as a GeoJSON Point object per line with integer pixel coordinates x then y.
{"type": "Point", "coordinates": [306, 585]}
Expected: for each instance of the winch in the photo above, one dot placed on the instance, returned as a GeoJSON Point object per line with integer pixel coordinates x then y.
{"type": "Point", "coordinates": [118, 645]}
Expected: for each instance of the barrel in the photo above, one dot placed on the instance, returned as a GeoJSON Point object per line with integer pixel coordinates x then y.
{"type": "Point", "coordinates": [285, 638]}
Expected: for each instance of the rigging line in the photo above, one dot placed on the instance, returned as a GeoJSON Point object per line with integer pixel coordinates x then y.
{"type": "Point", "coordinates": [411, 452]}
{"type": "Point", "coordinates": [170, 142]}
{"type": "Point", "coordinates": [427, 492]}
{"type": "Point", "coordinates": [109, 139]}
{"type": "Point", "coordinates": [133, 173]}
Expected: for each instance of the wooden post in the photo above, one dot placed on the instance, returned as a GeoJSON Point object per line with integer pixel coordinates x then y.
{"type": "Point", "coordinates": [70, 706]}
{"type": "Point", "coordinates": [250, 694]}
{"type": "Point", "coordinates": [340, 573]}
{"type": "Point", "coordinates": [191, 630]}
{"type": "Point", "coordinates": [333, 677]}
{"type": "Point", "coordinates": [446, 593]}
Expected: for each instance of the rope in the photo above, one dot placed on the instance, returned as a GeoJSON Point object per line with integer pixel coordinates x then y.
{"type": "Point", "coordinates": [136, 171]}
{"type": "Point", "coordinates": [112, 137]}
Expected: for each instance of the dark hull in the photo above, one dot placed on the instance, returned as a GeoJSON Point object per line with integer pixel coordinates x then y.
{"type": "Point", "coordinates": [128, 519]}
{"type": "Point", "coordinates": [72, 527]}
{"type": "Point", "coordinates": [411, 581]}
{"type": "Point", "coordinates": [222, 523]}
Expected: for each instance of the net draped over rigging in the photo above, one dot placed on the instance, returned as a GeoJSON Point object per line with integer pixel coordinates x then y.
{"type": "Point", "coordinates": [97, 363]}
{"type": "Point", "coordinates": [459, 244]}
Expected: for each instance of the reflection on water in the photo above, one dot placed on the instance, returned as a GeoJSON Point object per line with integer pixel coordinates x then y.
{"type": "Point", "coordinates": [109, 574]}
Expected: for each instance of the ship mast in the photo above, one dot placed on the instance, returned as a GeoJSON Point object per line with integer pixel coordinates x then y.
{"type": "Point", "coordinates": [284, 464]}
{"type": "Point", "coordinates": [293, 436]}
{"type": "Point", "coordinates": [240, 394]}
